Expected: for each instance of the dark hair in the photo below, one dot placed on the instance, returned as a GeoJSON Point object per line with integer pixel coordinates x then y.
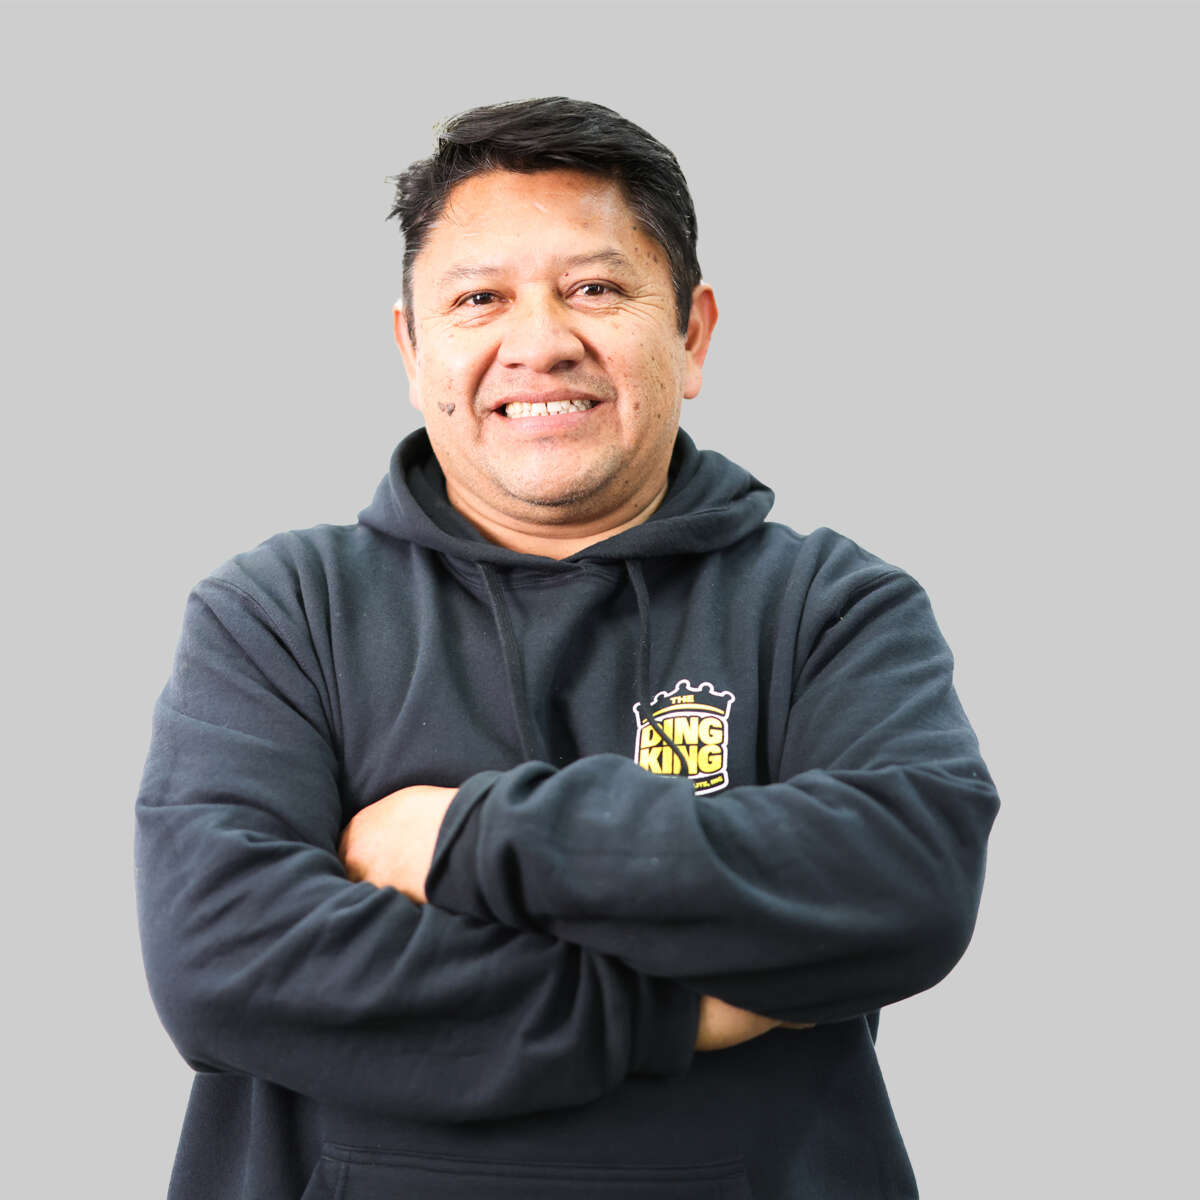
{"type": "Point", "coordinates": [542, 135]}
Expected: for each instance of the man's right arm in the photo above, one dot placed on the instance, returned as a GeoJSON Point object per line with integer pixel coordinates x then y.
{"type": "Point", "coordinates": [264, 959]}
{"type": "Point", "coordinates": [390, 843]}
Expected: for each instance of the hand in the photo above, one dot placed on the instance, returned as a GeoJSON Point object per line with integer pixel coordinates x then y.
{"type": "Point", "coordinates": [722, 1025]}
{"type": "Point", "coordinates": [390, 843]}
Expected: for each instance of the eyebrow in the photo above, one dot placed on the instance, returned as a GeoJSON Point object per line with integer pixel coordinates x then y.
{"type": "Point", "coordinates": [469, 271]}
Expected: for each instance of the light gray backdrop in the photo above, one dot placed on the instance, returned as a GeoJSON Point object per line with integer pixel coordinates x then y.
{"type": "Point", "coordinates": [956, 253]}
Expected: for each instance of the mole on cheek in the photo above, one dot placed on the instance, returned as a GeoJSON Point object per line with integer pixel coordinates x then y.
{"type": "Point", "coordinates": [447, 406]}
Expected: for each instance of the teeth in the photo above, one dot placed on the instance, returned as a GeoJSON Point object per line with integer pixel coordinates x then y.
{"type": "Point", "coordinates": [522, 408]}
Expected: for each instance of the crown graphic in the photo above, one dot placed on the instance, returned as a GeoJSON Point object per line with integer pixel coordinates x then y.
{"type": "Point", "coordinates": [686, 697]}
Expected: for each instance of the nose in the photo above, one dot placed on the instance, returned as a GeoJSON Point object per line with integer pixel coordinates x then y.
{"type": "Point", "coordinates": [538, 335]}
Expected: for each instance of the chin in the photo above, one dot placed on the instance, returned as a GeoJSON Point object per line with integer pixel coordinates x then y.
{"type": "Point", "coordinates": [579, 491]}
{"type": "Point", "coordinates": [568, 503]}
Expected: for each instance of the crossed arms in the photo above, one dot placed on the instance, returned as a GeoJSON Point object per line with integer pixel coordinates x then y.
{"type": "Point", "coordinates": [517, 989]}
{"type": "Point", "coordinates": [391, 843]}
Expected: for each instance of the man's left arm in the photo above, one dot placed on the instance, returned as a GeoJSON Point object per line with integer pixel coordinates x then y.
{"type": "Point", "coordinates": [849, 884]}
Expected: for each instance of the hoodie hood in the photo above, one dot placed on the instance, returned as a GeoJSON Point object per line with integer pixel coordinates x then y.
{"type": "Point", "coordinates": [710, 503]}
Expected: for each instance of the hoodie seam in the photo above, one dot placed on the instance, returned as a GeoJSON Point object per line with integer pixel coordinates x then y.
{"type": "Point", "coordinates": [869, 585]}
{"type": "Point", "coordinates": [318, 684]}
{"type": "Point", "coordinates": [856, 594]}
{"type": "Point", "coordinates": [270, 621]}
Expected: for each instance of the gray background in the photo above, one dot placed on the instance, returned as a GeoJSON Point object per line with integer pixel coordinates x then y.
{"type": "Point", "coordinates": [956, 253]}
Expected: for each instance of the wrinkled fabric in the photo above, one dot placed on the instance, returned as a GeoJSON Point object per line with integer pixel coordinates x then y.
{"type": "Point", "coordinates": [788, 811]}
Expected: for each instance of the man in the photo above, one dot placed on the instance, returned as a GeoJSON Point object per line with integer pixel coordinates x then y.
{"type": "Point", "coordinates": [560, 828]}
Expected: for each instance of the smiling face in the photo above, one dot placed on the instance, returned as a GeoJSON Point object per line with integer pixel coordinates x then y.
{"type": "Point", "coordinates": [548, 361]}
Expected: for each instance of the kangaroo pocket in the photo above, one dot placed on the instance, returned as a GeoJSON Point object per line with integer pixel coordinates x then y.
{"type": "Point", "coordinates": [354, 1173]}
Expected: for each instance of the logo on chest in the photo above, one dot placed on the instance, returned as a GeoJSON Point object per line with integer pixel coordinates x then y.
{"type": "Point", "coordinates": [695, 722]}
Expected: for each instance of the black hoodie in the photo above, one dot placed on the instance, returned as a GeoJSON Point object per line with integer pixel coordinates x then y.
{"type": "Point", "coordinates": [706, 755]}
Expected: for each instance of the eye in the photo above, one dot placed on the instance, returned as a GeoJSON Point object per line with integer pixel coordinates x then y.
{"type": "Point", "coordinates": [477, 299]}
{"type": "Point", "coordinates": [595, 291]}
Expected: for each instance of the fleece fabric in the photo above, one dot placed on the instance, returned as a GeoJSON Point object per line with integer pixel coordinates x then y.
{"type": "Point", "coordinates": [708, 755]}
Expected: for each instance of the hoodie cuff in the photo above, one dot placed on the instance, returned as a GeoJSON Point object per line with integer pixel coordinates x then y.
{"type": "Point", "coordinates": [665, 1036]}
{"type": "Point", "coordinates": [452, 890]}
{"type": "Point", "coordinates": [666, 1014]}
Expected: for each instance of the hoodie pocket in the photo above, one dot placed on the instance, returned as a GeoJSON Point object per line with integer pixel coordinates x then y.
{"type": "Point", "coordinates": [353, 1173]}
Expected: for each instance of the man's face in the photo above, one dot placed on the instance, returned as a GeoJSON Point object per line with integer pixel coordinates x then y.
{"type": "Point", "coordinates": [548, 361]}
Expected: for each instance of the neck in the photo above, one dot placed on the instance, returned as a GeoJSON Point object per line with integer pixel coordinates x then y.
{"type": "Point", "coordinates": [557, 540]}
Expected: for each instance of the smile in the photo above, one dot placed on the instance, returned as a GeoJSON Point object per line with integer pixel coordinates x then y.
{"type": "Point", "coordinates": [550, 408]}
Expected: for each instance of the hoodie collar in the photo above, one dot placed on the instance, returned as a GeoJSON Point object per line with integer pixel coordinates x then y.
{"type": "Point", "coordinates": [710, 503]}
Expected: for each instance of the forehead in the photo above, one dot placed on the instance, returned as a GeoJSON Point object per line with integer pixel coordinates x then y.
{"type": "Point", "coordinates": [534, 221]}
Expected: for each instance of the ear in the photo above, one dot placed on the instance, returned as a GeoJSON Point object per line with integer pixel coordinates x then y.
{"type": "Point", "coordinates": [701, 322]}
{"type": "Point", "coordinates": [408, 351]}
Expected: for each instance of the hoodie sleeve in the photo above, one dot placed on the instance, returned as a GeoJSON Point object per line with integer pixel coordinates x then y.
{"type": "Point", "coordinates": [850, 883]}
{"type": "Point", "coordinates": [264, 959]}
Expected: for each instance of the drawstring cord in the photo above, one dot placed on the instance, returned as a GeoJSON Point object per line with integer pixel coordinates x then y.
{"type": "Point", "coordinates": [512, 664]}
{"type": "Point", "coordinates": [510, 652]}
{"type": "Point", "coordinates": [634, 569]}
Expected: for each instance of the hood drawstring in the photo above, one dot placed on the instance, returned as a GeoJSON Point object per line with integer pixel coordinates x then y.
{"type": "Point", "coordinates": [638, 580]}
{"type": "Point", "coordinates": [710, 504]}
{"type": "Point", "coordinates": [530, 742]}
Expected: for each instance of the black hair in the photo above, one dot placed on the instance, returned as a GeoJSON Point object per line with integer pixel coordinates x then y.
{"type": "Point", "coordinates": [551, 133]}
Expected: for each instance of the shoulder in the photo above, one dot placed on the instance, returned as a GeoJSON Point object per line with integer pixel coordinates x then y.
{"type": "Point", "coordinates": [822, 563]}
{"type": "Point", "coordinates": [300, 574]}
{"type": "Point", "coordinates": [824, 580]}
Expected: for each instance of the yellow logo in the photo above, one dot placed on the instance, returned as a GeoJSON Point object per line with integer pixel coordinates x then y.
{"type": "Point", "coordinates": [695, 721]}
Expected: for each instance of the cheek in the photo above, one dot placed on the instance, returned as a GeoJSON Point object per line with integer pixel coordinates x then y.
{"type": "Point", "coordinates": [658, 384]}
{"type": "Point", "coordinates": [451, 365]}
